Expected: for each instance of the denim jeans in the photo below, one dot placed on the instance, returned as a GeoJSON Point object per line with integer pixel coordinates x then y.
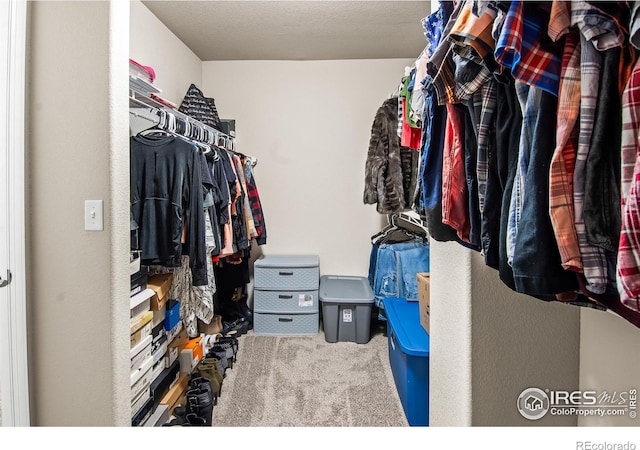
{"type": "Point", "coordinates": [395, 268]}
{"type": "Point", "coordinates": [408, 263]}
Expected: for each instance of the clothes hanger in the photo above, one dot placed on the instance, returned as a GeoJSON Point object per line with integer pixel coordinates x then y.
{"type": "Point", "coordinates": [251, 160]}
{"type": "Point", "coordinates": [401, 228]}
{"type": "Point", "coordinates": [413, 224]}
{"type": "Point", "coordinates": [205, 148]}
{"type": "Point", "coordinates": [380, 234]}
{"type": "Point", "coordinates": [155, 132]}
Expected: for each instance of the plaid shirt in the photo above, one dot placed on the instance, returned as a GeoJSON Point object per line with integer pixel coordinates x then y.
{"type": "Point", "coordinates": [600, 29]}
{"type": "Point", "coordinates": [593, 258]}
{"type": "Point", "coordinates": [255, 205]}
{"type": "Point", "coordinates": [442, 67]}
{"type": "Point", "coordinates": [485, 109]}
{"type": "Point", "coordinates": [634, 25]}
{"type": "Point", "coordinates": [563, 162]}
{"type": "Point", "coordinates": [628, 268]}
{"type": "Point", "coordinates": [519, 49]}
{"type": "Point", "coordinates": [597, 32]}
{"type": "Point", "coordinates": [475, 32]}
{"type": "Point", "coordinates": [630, 130]}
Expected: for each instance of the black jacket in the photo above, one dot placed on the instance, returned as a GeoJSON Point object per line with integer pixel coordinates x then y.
{"type": "Point", "coordinates": [167, 196]}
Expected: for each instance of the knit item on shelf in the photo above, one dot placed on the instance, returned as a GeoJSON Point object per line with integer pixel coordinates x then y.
{"type": "Point", "coordinates": [201, 108]}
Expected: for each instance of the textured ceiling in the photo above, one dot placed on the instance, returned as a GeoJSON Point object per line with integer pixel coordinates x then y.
{"type": "Point", "coordinates": [296, 30]}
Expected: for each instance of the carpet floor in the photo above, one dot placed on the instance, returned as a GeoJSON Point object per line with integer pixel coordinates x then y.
{"type": "Point", "coordinates": [308, 382]}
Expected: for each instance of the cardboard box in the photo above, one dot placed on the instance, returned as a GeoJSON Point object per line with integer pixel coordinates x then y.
{"type": "Point", "coordinates": [191, 355]}
{"type": "Point", "coordinates": [171, 356]}
{"type": "Point", "coordinates": [180, 340]}
{"type": "Point", "coordinates": [136, 361]}
{"type": "Point", "coordinates": [172, 334]}
{"type": "Point", "coordinates": [175, 391]}
{"type": "Point", "coordinates": [141, 334]}
{"type": "Point", "coordinates": [140, 347]}
{"type": "Point", "coordinates": [424, 287]}
{"type": "Point", "coordinates": [140, 401]}
{"type": "Point", "coordinates": [143, 414]}
{"type": "Point", "coordinates": [159, 417]}
{"type": "Point", "coordinates": [160, 351]}
{"type": "Point", "coordinates": [156, 371]}
{"type": "Point", "coordinates": [141, 379]}
{"type": "Point", "coordinates": [140, 303]}
{"type": "Point", "coordinates": [161, 285]}
{"type": "Point", "coordinates": [172, 316]}
{"type": "Point", "coordinates": [140, 320]}
{"type": "Point", "coordinates": [158, 317]}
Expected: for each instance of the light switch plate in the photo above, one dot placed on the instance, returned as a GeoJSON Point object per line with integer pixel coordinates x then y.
{"type": "Point", "coordinates": [93, 215]}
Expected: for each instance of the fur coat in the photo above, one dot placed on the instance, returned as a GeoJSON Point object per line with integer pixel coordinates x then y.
{"type": "Point", "coordinates": [391, 171]}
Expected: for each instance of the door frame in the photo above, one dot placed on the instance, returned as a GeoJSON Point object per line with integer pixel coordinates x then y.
{"type": "Point", "coordinates": [14, 379]}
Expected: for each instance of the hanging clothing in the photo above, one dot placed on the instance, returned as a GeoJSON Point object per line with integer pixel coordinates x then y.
{"type": "Point", "coordinates": [602, 178]}
{"type": "Point", "coordinates": [210, 194]}
{"type": "Point", "coordinates": [628, 259]}
{"type": "Point", "coordinates": [508, 126]}
{"type": "Point", "coordinates": [536, 261]}
{"type": "Point", "coordinates": [520, 49]}
{"type": "Point", "coordinates": [523, 155]}
{"type": "Point", "coordinates": [384, 167]}
{"type": "Point", "coordinates": [256, 206]}
{"type": "Point", "coordinates": [167, 200]}
{"type": "Point", "coordinates": [240, 237]}
{"type": "Point", "coordinates": [454, 186]}
{"type": "Point", "coordinates": [246, 210]}
{"type": "Point", "coordinates": [393, 268]}
{"type": "Point", "coordinates": [564, 158]}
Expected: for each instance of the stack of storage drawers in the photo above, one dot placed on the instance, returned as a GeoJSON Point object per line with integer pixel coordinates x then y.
{"type": "Point", "coordinates": [285, 296]}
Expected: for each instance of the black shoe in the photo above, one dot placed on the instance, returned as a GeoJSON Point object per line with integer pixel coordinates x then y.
{"type": "Point", "coordinates": [194, 420]}
{"type": "Point", "coordinates": [228, 349]}
{"type": "Point", "coordinates": [234, 325]}
{"type": "Point", "coordinates": [203, 384]}
{"type": "Point", "coordinates": [244, 327]}
{"type": "Point", "coordinates": [221, 357]}
{"type": "Point", "coordinates": [246, 311]}
{"type": "Point", "coordinates": [200, 404]}
{"type": "Point", "coordinates": [230, 339]}
{"type": "Point", "coordinates": [179, 419]}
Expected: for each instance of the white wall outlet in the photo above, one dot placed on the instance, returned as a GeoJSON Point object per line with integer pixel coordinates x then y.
{"type": "Point", "coordinates": [93, 215]}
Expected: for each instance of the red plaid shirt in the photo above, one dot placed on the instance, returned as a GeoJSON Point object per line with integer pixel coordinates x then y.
{"type": "Point", "coordinates": [628, 271]}
{"type": "Point", "coordinates": [519, 48]}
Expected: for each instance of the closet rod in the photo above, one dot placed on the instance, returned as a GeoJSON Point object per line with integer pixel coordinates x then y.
{"type": "Point", "coordinates": [228, 142]}
{"type": "Point", "coordinates": [147, 108]}
{"type": "Point", "coordinates": [152, 114]}
{"type": "Point", "coordinates": [142, 100]}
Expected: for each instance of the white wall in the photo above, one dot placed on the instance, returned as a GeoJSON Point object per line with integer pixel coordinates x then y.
{"type": "Point", "coordinates": [609, 360]}
{"type": "Point", "coordinates": [153, 44]}
{"type": "Point", "coordinates": [489, 343]}
{"type": "Point", "coordinates": [450, 376]}
{"type": "Point", "coordinates": [309, 124]}
{"type": "Point", "coordinates": [77, 149]}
